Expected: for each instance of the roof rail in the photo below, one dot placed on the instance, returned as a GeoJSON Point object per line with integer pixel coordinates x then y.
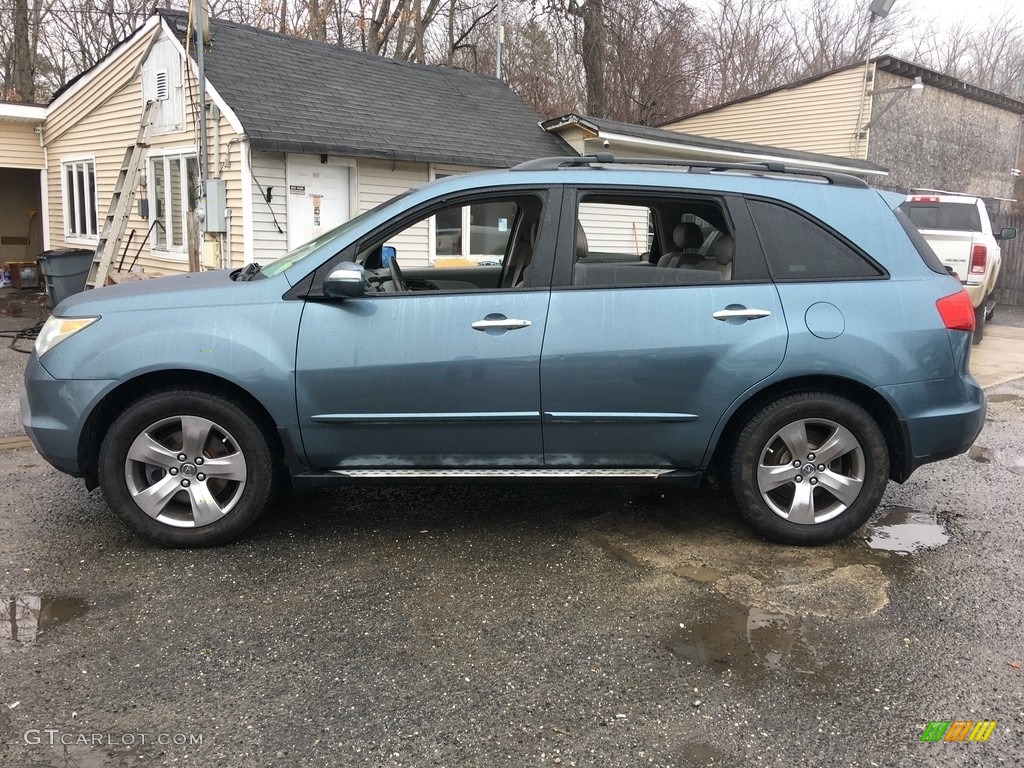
{"type": "Point", "coordinates": [694, 166]}
{"type": "Point", "coordinates": [551, 163]}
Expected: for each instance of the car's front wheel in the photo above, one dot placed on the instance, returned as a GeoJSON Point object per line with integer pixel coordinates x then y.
{"type": "Point", "coordinates": [809, 468]}
{"type": "Point", "coordinates": [186, 468]}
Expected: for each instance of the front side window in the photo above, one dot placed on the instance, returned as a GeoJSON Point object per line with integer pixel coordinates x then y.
{"type": "Point", "coordinates": [174, 190]}
{"type": "Point", "coordinates": [79, 180]}
{"type": "Point", "coordinates": [484, 243]}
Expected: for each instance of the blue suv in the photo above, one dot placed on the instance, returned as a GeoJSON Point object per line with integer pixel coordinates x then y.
{"type": "Point", "coordinates": [581, 317]}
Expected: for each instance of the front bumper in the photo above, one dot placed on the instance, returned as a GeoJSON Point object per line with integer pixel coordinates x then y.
{"type": "Point", "coordinates": [938, 419]}
{"type": "Point", "coordinates": [54, 412]}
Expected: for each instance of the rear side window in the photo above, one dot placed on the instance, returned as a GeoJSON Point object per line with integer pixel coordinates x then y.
{"type": "Point", "coordinates": [797, 248]}
{"type": "Point", "coordinates": [957, 217]}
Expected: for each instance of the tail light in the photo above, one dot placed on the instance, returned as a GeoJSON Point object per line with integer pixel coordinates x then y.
{"type": "Point", "coordinates": [956, 312]}
{"type": "Point", "coordinates": [924, 199]}
{"type": "Point", "coordinates": [979, 255]}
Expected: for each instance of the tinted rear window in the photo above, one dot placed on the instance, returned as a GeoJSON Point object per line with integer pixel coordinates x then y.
{"type": "Point", "coordinates": [960, 217]}
{"type": "Point", "coordinates": [800, 249]}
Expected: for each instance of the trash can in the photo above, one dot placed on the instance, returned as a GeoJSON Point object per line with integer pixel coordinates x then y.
{"type": "Point", "coordinates": [65, 272]}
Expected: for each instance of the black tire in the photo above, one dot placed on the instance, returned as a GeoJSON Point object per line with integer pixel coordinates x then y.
{"type": "Point", "coordinates": [979, 324]}
{"type": "Point", "coordinates": [791, 498]}
{"type": "Point", "coordinates": [200, 489]}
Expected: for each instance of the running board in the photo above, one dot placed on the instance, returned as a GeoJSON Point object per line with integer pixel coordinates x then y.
{"type": "Point", "coordinates": [686, 477]}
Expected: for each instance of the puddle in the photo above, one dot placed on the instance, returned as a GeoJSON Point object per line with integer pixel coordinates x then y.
{"type": "Point", "coordinates": [980, 454]}
{"type": "Point", "coordinates": [1004, 397]}
{"type": "Point", "coordinates": [1011, 461]}
{"type": "Point", "coordinates": [697, 573]}
{"type": "Point", "coordinates": [905, 531]}
{"type": "Point", "coordinates": [23, 618]}
{"type": "Point", "coordinates": [81, 756]}
{"type": "Point", "coordinates": [743, 639]}
{"type": "Point", "coordinates": [701, 754]}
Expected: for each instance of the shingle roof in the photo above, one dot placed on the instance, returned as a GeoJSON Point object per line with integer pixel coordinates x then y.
{"type": "Point", "coordinates": [296, 95]}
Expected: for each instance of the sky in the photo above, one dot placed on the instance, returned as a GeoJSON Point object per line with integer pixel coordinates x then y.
{"type": "Point", "coordinates": [949, 12]}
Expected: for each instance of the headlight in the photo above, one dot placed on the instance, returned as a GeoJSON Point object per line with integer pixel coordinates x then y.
{"type": "Point", "coordinates": [56, 329]}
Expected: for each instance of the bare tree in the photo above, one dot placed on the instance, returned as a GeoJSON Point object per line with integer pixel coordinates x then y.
{"type": "Point", "coordinates": [753, 50]}
{"type": "Point", "coordinates": [656, 60]}
{"type": "Point", "coordinates": [538, 66]}
{"type": "Point", "coordinates": [586, 18]}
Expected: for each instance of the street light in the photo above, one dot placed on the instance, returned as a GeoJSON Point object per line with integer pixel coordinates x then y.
{"type": "Point", "coordinates": [878, 9]}
{"type": "Point", "coordinates": [881, 8]}
{"type": "Point", "coordinates": [914, 89]}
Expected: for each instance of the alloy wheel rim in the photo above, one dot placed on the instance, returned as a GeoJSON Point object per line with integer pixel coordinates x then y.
{"type": "Point", "coordinates": [811, 471]}
{"type": "Point", "coordinates": [185, 471]}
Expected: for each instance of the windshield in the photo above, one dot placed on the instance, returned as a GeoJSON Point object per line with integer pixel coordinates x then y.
{"type": "Point", "coordinates": [296, 255]}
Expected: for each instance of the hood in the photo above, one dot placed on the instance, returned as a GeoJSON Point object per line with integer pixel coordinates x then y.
{"type": "Point", "coordinates": [169, 292]}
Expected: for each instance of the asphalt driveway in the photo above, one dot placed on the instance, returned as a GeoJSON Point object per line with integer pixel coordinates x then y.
{"type": "Point", "coordinates": [509, 625]}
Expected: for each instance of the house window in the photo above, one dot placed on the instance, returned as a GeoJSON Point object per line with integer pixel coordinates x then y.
{"type": "Point", "coordinates": [80, 198]}
{"type": "Point", "coordinates": [475, 233]}
{"type": "Point", "coordinates": [174, 189]}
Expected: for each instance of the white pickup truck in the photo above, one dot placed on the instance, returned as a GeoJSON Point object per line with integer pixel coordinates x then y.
{"type": "Point", "coordinates": [958, 229]}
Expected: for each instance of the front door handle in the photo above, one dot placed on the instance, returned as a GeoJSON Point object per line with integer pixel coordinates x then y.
{"type": "Point", "coordinates": [504, 323]}
{"type": "Point", "coordinates": [740, 314]}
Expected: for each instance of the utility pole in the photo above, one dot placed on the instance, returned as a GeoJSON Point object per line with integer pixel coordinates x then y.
{"type": "Point", "coordinates": [878, 9]}
{"type": "Point", "coordinates": [202, 36]}
{"type": "Point", "coordinates": [501, 39]}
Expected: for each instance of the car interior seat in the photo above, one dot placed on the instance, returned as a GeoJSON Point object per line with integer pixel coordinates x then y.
{"type": "Point", "coordinates": [582, 248]}
{"type": "Point", "coordinates": [720, 257]}
{"type": "Point", "coordinates": [688, 239]}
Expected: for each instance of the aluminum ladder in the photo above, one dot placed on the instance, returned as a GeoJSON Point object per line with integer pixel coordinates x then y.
{"type": "Point", "coordinates": [112, 233]}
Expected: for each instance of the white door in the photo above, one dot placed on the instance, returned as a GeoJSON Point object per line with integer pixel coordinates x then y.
{"type": "Point", "coordinates": [318, 197]}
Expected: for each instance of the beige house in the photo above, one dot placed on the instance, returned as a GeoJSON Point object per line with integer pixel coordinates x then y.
{"type": "Point", "coordinates": [21, 167]}
{"type": "Point", "coordinates": [301, 137]}
{"type": "Point", "coordinates": [930, 130]}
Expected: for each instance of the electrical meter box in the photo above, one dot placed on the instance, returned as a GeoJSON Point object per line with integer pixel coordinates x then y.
{"type": "Point", "coordinates": [215, 221]}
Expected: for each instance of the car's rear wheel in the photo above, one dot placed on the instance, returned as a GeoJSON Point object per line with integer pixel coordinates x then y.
{"type": "Point", "coordinates": [186, 468]}
{"type": "Point", "coordinates": [809, 468]}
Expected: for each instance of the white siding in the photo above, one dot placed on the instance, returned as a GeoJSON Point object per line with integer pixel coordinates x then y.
{"type": "Point", "coordinates": [268, 243]}
{"type": "Point", "coordinates": [381, 180]}
{"type": "Point", "coordinates": [615, 228]}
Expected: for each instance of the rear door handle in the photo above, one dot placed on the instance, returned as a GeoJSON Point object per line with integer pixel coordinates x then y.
{"type": "Point", "coordinates": [505, 323]}
{"type": "Point", "coordinates": [741, 314]}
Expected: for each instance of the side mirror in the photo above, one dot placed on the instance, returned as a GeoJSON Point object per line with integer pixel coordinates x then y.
{"type": "Point", "coordinates": [347, 281]}
{"type": "Point", "coordinates": [1007, 233]}
{"type": "Point", "coordinates": [387, 253]}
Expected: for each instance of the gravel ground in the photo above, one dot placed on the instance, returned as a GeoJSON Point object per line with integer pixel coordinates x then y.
{"type": "Point", "coordinates": [516, 625]}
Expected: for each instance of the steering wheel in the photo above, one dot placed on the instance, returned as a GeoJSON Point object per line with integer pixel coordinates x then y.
{"type": "Point", "coordinates": [396, 275]}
